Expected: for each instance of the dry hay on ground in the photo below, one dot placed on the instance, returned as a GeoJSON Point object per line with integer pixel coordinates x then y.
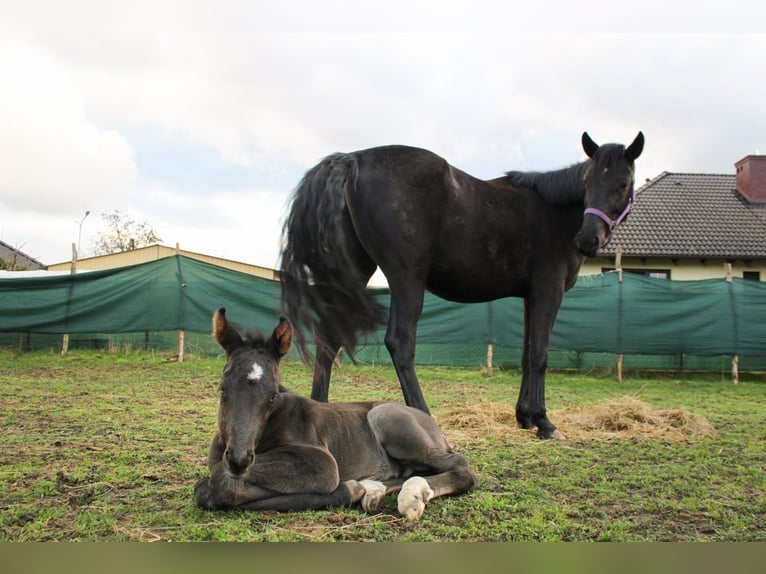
{"type": "Point", "coordinates": [619, 417]}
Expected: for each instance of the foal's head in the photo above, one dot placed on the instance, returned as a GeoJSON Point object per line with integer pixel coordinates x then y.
{"type": "Point", "coordinates": [249, 389]}
{"type": "Point", "coordinates": [609, 188]}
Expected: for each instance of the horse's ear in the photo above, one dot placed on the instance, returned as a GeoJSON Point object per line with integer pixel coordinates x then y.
{"type": "Point", "coordinates": [224, 333]}
{"type": "Point", "coordinates": [634, 150]}
{"type": "Point", "coordinates": [588, 145]}
{"type": "Point", "coordinates": [282, 337]}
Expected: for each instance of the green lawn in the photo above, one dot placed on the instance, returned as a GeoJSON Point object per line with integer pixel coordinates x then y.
{"type": "Point", "coordinates": [103, 447]}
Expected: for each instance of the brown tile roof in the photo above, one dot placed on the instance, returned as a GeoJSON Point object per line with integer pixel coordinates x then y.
{"type": "Point", "coordinates": [692, 215]}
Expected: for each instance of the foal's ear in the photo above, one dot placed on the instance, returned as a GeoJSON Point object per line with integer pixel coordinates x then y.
{"type": "Point", "coordinates": [282, 337]}
{"type": "Point", "coordinates": [588, 145]}
{"type": "Point", "coordinates": [634, 150]}
{"type": "Point", "coordinates": [224, 333]}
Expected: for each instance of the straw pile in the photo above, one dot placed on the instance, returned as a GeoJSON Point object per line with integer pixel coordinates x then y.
{"type": "Point", "coordinates": [619, 417]}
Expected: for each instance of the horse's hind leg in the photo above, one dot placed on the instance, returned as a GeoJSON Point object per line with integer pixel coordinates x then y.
{"type": "Point", "coordinates": [406, 307]}
{"type": "Point", "coordinates": [328, 338]}
{"type": "Point", "coordinates": [413, 439]}
{"type": "Point", "coordinates": [325, 356]}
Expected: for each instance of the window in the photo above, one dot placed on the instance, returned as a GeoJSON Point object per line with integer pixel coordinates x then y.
{"type": "Point", "coordinates": [751, 275]}
{"type": "Point", "coordinates": [656, 273]}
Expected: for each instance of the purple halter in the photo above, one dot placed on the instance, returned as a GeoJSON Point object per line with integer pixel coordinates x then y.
{"type": "Point", "coordinates": [612, 223]}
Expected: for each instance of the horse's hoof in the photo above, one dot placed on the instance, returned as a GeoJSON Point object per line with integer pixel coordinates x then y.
{"type": "Point", "coordinates": [355, 491]}
{"type": "Point", "coordinates": [550, 433]}
{"type": "Point", "coordinates": [203, 495]}
{"type": "Point", "coordinates": [412, 500]}
{"type": "Point", "coordinates": [525, 424]}
{"type": "Point", "coordinates": [374, 493]}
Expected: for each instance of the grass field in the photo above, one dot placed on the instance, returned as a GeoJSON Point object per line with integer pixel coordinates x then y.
{"type": "Point", "coordinates": [99, 447]}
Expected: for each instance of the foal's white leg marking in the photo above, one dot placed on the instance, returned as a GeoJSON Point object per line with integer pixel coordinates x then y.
{"type": "Point", "coordinates": [256, 373]}
{"type": "Point", "coordinates": [374, 492]}
{"type": "Point", "coordinates": [412, 500]}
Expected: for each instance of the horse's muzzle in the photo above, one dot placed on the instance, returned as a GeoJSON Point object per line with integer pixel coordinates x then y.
{"type": "Point", "coordinates": [588, 245]}
{"type": "Point", "coordinates": [235, 464]}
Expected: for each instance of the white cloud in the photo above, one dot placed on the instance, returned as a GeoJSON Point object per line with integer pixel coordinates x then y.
{"type": "Point", "coordinates": [52, 158]}
{"type": "Point", "coordinates": [200, 117]}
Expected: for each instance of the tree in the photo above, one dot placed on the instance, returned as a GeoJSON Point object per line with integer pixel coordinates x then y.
{"type": "Point", "coordinates": [123, 233]}
{"type": "Point", "coordinates": [11, 265]}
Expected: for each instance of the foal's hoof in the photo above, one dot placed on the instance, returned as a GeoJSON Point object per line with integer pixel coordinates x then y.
{"type": "Point", "coordinates": [412, 500]}
{"type": "Point", "coordinates": [355, 491]}
{"type": "Point", "coordinates": [374, 493]}
{"type": "Point", "coordinates": [203, 495]}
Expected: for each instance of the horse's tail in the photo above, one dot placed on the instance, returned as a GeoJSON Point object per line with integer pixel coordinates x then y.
{"type": "Point", "coordinates": [323, 288]}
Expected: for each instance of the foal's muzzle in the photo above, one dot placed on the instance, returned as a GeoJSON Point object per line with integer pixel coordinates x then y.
{"type": "Point", "coordinates": [235, 464]}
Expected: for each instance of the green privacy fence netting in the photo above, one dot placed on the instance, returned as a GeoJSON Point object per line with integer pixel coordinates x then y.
{"type": "Point", "coordinates": [640, 315]}
{"type": "Point", "coordinates": [175, 293]}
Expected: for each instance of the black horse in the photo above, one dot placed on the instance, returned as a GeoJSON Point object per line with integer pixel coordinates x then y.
{"type": "Point", "coordinates": [428, 225]}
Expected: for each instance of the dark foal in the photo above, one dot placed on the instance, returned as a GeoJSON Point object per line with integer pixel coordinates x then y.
{"type": "Point", "coordinates": [276, 450]}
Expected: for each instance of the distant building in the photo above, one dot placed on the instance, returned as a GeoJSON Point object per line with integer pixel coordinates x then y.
{"type": "Point", "coordinates": [688, 226]}
{"type": "Point", "coordinates": [155, 252]}
{"type": "Point", "coordinates": [13, 259]}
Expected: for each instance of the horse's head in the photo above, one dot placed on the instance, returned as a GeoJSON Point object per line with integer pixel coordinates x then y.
{"type": "Point", "coordinates": [609, 189]}
{"type": "Point", "coordinates": [249, 389]}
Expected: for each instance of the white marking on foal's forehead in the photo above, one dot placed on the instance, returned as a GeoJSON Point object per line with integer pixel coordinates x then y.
{"type": "Point", "coordinates": [255, 373]}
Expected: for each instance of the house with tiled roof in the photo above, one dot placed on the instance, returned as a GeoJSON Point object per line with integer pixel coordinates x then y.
{"type": "Point", "coordinates": [687, 226]}
{"type": "Point", "coordinates": [14, 259]}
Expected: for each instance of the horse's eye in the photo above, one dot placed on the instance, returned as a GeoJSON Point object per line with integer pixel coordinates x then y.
{"type": "Point", "coordinates": [273, 397]}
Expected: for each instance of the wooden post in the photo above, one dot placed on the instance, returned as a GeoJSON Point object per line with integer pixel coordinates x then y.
{"type": "Point", "coordinates": [73, 271]}
{"type": "Point", "coordinates": [181, 334]}
{"type": "Point", "coordinates": [734, 358]}
{"type": "Point", "coordinates": [618, 264]}
{"type": "Point", "coordinates": [490, 352]}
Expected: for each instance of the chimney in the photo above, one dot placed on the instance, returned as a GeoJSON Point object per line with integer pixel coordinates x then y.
{"type": "Point", "coordinates": [751, 178]}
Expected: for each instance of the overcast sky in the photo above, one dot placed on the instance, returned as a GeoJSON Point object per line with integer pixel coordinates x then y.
{"type": "Point", "coordinates": [201, 117]}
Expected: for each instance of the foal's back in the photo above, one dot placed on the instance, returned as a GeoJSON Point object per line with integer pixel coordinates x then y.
{"type": "Point", "coordinates": [341, 428]}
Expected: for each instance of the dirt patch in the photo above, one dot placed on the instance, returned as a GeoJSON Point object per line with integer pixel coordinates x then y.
{"type": "Point", "coordinates": [619, 417]}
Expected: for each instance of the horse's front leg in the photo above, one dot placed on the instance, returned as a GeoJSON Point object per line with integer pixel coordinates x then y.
{"type": "Point", "coordinates": [290, 478]}
{"type": "Point", "coordinates": [219, 490]}
{"type": "Point", "coordinates": [523, 413]}
{"type": "Point", "coordinates": [539, 317]}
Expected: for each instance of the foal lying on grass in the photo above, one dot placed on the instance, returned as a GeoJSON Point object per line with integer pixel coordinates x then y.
{"type": "Point", "coordinates": [276, 450]}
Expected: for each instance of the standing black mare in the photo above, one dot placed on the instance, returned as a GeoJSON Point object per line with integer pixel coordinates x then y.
{"type": "Point", "coordinates": [428, 225]}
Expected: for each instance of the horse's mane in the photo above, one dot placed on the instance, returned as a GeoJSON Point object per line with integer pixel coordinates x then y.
{"type": "Point", "coordinates": [566, 186]}
{"type": "Point", "coordinates": [254, 338]}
